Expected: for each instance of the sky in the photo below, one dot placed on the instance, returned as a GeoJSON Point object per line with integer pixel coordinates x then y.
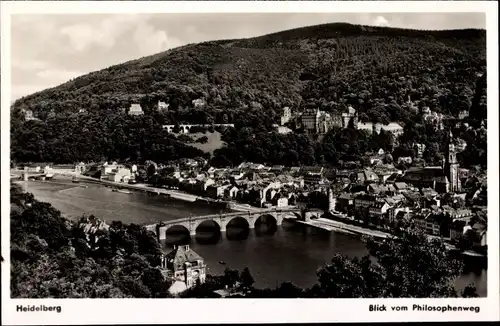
{"type": "Point", "coordinates": [48, 50]}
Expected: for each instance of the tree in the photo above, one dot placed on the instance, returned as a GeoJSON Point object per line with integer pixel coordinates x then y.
{"type": "Point", "coordinates": [246, 278]}
{"type": "Point", "coordinates": [152, 169]}
{"type": "Point", "coordinates": [231, 277]}
{"type": "Point", "coordinates": [176, 129]}
{"type": "Point", "coordinates": [469, 292]}
{"type": "Point", "coordinates": [407, 266]}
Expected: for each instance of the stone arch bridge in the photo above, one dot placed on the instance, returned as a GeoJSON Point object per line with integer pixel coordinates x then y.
{"type": "Point", "coordinates": [222, 220]}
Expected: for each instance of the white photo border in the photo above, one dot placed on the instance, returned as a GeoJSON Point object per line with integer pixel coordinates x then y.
{"type": "Point", "coordinates": [210, 311]}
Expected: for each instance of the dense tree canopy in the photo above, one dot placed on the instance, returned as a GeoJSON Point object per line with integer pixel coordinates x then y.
{"type": "Point", "coordinates": [95, 137]}
{"type": "Point", "coordinates": [52, 257]}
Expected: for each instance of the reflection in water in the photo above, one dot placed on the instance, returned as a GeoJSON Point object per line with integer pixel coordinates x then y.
{"type": "Point", "coordinates": [265, 225]}
{"type": "Point", "coordinates": [177, 235]}
{"type": "Point", "coordinates": [207, 233]}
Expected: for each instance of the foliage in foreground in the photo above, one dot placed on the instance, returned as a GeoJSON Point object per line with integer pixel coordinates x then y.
{"type": "Point", "coordinates": [53, 257]}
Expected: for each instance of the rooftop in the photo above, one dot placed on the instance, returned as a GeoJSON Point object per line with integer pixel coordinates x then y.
{"type": "Point", "coordinates": [181, 255]}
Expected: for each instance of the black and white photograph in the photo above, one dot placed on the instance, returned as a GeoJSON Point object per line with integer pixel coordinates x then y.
{"type": "Point", "coordinates": [249, 155]}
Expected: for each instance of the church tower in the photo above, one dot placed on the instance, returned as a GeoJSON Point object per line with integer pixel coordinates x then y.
{"type": "Point", "coordinates": [451, 166]}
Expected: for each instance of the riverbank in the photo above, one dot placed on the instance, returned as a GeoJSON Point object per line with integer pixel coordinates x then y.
{"type": "Point", "coordinates": [336, 226]}
{"type": "Point", "coordinates": [78, 199]}
{"type": "Point", "coordinates": [175, 194]}
{"type": "Point", "coordinates": [331, 223]}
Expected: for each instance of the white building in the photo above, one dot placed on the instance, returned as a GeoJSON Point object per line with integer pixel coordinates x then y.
{"type": "Point", "coordinates": [199, 103]}
{"type": "Point", "coordinates": [162, 106]}
{"type": "Point", "coordinates": [393, 127]}
{"type": "Point", "coordinates": [287, 115]}
{"type": "Point", "coordinates": [135, 109]}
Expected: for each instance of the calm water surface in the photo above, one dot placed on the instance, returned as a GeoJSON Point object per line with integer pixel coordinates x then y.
{"type": "Point", "coordinates": [290, 252]}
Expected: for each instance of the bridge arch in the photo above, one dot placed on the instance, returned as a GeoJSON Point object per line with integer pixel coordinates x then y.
{"type": "Point", "coordinates": [178, 233]}
{"type": "Point", "coordinates": [239, 220]}
{"type": "Point", "coordinates": [266, 218]}
{"type": "Point", "coordinates": [238, 228]}
{"type": "Point", "coordinates": [266, 224]}
{"type": "Point", "coordinates": [206, 222]}
{"type": "Point", "coordinates": [207, 231]}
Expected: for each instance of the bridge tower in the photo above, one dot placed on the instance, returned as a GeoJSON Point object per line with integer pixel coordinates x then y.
{"type": "Point", "coordinates": [279, 217]}
{"type": "Point", "coordinates": [222, 223]}
{"type": "Point", "coordinates": [192, 226]}
{"type": "Point", "coordinates": [331, 200]}
{"type": "Point", "coordinates": [24, 175]}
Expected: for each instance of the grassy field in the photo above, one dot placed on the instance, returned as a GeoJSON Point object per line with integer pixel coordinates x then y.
{"type": "Point", "coordinates": [214, 141]}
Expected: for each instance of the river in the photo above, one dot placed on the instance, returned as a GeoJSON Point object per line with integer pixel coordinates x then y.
{"type": "Point", "coordinates": [290, 252]}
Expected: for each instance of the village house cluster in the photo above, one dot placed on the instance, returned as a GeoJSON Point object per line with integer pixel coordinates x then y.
{"type": "Point", "coordinates": [433, 197]}
{"type": "Point", "coordinates": [445, 200]}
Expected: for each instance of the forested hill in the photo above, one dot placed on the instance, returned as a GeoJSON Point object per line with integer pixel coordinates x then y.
{"type": "Point", "coordinates": [374, 69]}
{"type": "Point", "coordinates": [247, 82]}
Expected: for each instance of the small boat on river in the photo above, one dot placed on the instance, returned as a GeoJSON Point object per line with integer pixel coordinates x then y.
{"type": "Point", "coordinates": [124, 191]}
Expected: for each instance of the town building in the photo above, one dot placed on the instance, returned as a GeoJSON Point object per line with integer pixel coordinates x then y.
{"type": "Point", "coordinates": [434, 118]}
{"type": "Point", "coordinates": [217, 191]}
{"type": "Point", "coordinates": [393, 127]}
{"type": "Point", "coordinates": [442, 179]}
{"type": "Point", "coordinates": [379, 209]}
{"type": "Point", "coordinates": [80, 168]}
{"type": "Point", "coordinates": [162, 106]}
{"type": "Point", "coordinates": [185, 128]}
{"type": "Point", "coordinates": [28, 115]}
{"type": "Point", "coordinates": [282, 129]}
{"type": "Point", "coordinates": [320, 122]}
{"type": "Point", "coordinates": [309, 119]}
{"type": "Point", "coordinates": [286, 116]}
{"type": "Point", "coordinates": [184, 267]}
{"type": "Point", "coordinates": [351, 116]}
{"type": "Point", "coordinates": [135, 109]}
{"type": "Point", "coordinates": [120, 174]}
{"type": "Point", "coordinates": [428, 221]}
{"type": "Point", "coordinates": [199, 103]}
{"type": "Point", "coordinates": [344, 201]}
{"type": "Point", "coordinates": [463, 114]}
{"type": "Point", "coordinates": [451, 166]}
{"type": "Point", "coordinates": [419, 148]}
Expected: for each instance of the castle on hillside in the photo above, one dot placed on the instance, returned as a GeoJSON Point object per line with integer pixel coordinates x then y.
{"type": "Point", "coordinates": [320, 122]}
